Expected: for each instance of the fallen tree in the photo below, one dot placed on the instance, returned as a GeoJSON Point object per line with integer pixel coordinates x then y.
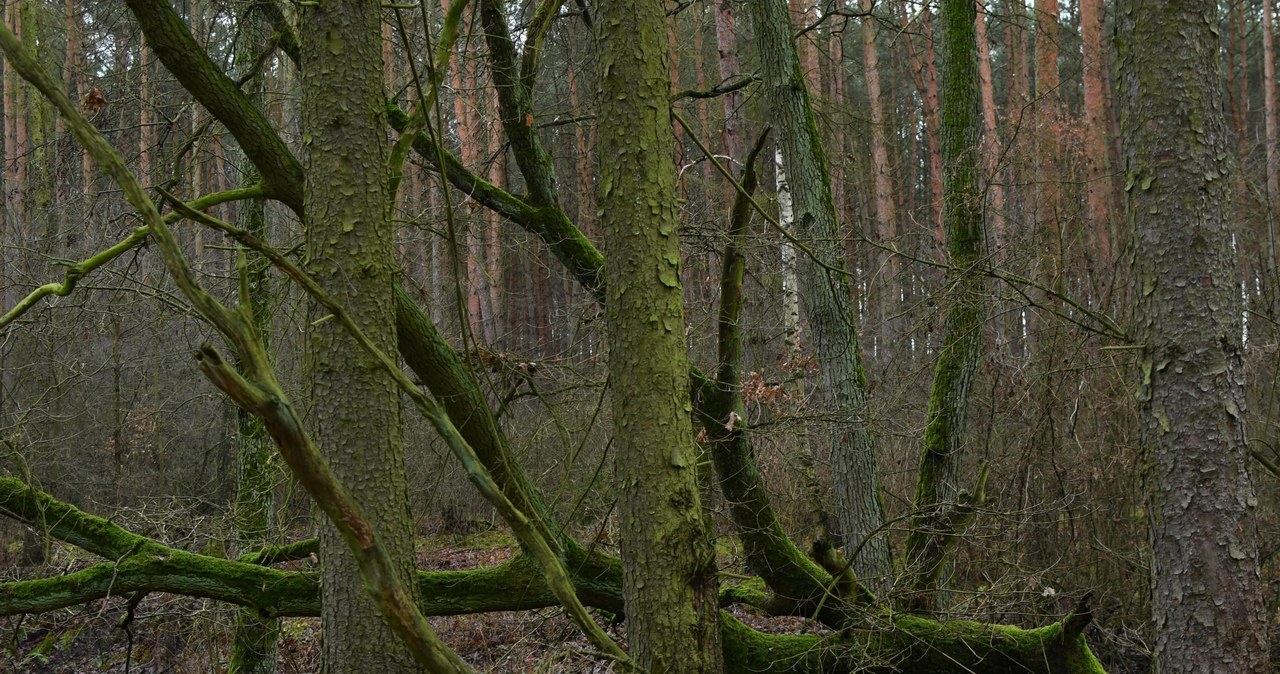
{"type": "Point", "coordinates": [881, 641]}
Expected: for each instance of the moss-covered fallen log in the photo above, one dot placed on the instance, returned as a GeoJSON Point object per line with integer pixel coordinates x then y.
{"type": "Point", "coordinates": [882, 641]}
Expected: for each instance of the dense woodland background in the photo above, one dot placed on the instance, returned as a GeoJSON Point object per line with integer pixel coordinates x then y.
{"type": "Point", "coordinates": [102, 406]}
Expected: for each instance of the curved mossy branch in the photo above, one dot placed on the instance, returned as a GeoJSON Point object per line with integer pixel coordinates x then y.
{"type": "Point", "coordinates": [454, 385]}
{"type": "Point", "coordinates": [941, 513]}
{"type": "Point", "coordinates": [570, 246]}
{"type": "Point", "coordinates": [138, 564]}
{"type": "Point", "coordinates": [136, 238]}
{"type": "Point", "coordinates": [539, 25]}
{"type": "Point", "coordinates": [798, 582]}
{"type": "Point", "coordinates": [168, 36]}
{"type": "Point", "coordinates": [285, 37]}
{"type": "Point", "coordinates": [279, 554]}
{"type": "Point", "coordinates": [905, 643]}
{"type": "Point", "coordinates": [515, 108]}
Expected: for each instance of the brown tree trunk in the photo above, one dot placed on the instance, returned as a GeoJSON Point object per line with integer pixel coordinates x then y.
{"type": "Point", "coordinates": [1205, 586]}
{"type": "Point", "coordinates": [350, 245]}
{"type": "Point", "coordinates": [1099, 199]}
{"type": "Point", "coordinates": [992, 169]}
{"type": "Point", "coordinates": [924, 72]}
{"type": "Point", "coordinates": [1273, 150]}
{"type": "Point", "coordinates": [669, 568]}
{"type": "Point", "coordinates": [1048, 146]}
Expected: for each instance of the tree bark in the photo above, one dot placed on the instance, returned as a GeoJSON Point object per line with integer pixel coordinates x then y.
{"type": "Point", "coordinates": [1100, 197]}
{"type": "Point", "coordinates": [669, 568]}
{"type": "Point", "coordinates": [1205, 585]}
{"type": "Point", "coordinates": [826, 297]}
{"type": "Point", "coordinates": [1271, 112]}
{"type": "Point", "coordinates": [350, 247]}
{"type": "Point", "coordinates": [941, 511]}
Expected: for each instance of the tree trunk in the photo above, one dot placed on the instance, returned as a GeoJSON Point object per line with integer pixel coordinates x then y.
{"type": "Point", "coordinates": [1048, 216]}
{"type": "Point", "coordinates": [940, 510]}
{"type": "Point", "coordinates": [1205, 585]}
{"type": "Point", "coordinates": [992, 166]}
{"type": "Point", "coordinates": [669, 568]}
{"type": "Point", "coordinates": [886, 215]}
{"type": "Point", "coordinates": [1270, 104]}
{"type": "Point", "coordinates": [1100, 198]}
{"type": "Point", "coordinates": [825, 295]}
{"type": "Point", "coordinates": [350, 245]}
{"type": "Point", "coordinates": [257, 469]}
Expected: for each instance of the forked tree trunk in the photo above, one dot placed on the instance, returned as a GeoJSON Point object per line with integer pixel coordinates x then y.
{"type": "Point", "coordinates": [669, 572]}
{"type": "Point", "coordinates": [1205, 586]}
{"type": "Point", "coordinates": [350, 245]}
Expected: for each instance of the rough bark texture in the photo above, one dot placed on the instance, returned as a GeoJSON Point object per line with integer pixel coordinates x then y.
{"type": "Point", "coordinates": [939, 513]}
{"type": "Point", "coordinates": [1206, 591]}
{"type": "Point", "coordinates": [826, 298]}
{"type": "Point", "coordinates": [350, 247]}
{"type": "Point", "coordinates": [669, 572]}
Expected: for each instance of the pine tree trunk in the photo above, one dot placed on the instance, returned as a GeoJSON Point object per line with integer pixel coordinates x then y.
{"type": "Point", "coordinates": [1205, 586]}
{"type": "Point", "coordinates": [991, 147]}
{"type": "Point", "coordinates": [1099, 199]}
{"type": "Point", "coordinates": [1270, 105]}
{"type": "Point", "coordinates": [350, 245]}
{"type": "Point", "coordinates": [886, 215]}
{"type": "Point", "coordinates": [669, 567]}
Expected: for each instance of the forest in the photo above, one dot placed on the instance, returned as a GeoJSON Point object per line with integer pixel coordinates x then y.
{"type": "Point", "coordinates": [678, 337]}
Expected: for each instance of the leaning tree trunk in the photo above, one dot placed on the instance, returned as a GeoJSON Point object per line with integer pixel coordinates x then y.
{"type": "Point", "coordinates": [825, 295]}
{"type": "Point", "coordinates": [940, 510]}
{"type": "Point", "coordinates": [350, 244]}
{"type": "Point", "coordinates": [1205, 586]}
{"type": "Point", "coordinates": [669, 572]}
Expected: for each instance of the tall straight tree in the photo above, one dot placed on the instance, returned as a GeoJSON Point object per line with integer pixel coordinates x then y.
{"type": "Point", "coordinates": [669, 574]}
{"type": "Point", "coordinates": [1205, 588]}
{"type": "Point", "coordinates": [350, 247]}
{"type": "Point", "coordinates": [825, 295]}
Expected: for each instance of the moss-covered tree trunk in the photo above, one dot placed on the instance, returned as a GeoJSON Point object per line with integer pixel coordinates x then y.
{"type": "Point", "coordinates": [350, 242]}
{"type": "Point", "coordinates": [253, 649]}
{"type": "Point", "coordinates": [939, 515]}
{"type": "Point", "coordinates": [669, 572]}
{"type": "Point", "coordinates": [825, 296]}
{"type": "Point", "coordinates": [1205, 588]}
